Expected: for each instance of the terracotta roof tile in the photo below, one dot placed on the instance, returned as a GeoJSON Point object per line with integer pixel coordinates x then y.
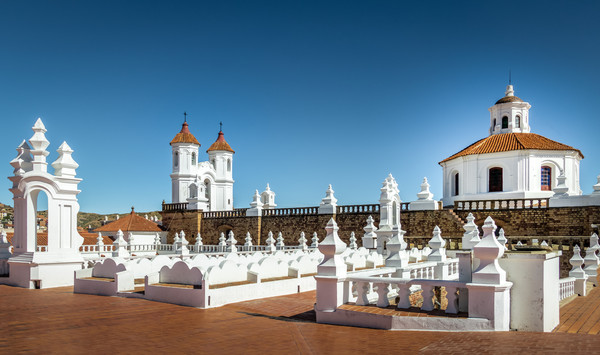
{"type": "Point", "coordinates": [511, 141]}
{"type": "Point", "coordinates": [185, 136]}
{"type": "Point", "coordinates": [130, 223]}
{"type": "Point", "coordinates": [220, 144]}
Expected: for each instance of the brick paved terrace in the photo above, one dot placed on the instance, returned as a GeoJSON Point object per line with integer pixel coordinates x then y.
{"type": "Point", "coordinates": [58, 321]}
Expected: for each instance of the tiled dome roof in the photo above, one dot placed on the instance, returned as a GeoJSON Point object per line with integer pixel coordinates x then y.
{"type": "Point", "coordinates": [220, 144]}
{"type": "Point", "coordinates": [506, 99]}
{"type": "Point", "coordinates": [185, 136]}
{"type": "Point", "coordinates": [511, 141]}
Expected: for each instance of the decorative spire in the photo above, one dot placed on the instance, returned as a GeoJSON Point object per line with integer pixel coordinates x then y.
{"type": "Point", "coordinates": [248, 240]}
{"type": "Point", "coordinates": [352, 241]}
{"type": "Point", "coordinates": [280, 243]}
{"type": "Point", "coordinates": [198, 239]}
{"type": "Point", "coordinates": [576, 261]}
{"type": "Point", "coordinates": [332, 247]}
{"type": "Point", "coordinates": [437, 244]}
{"type": "Point", "coordinates": [315, 240]}
{"type": "Point", "coordinates": [328, 203]}
{"type": "Point", "coordinates": [302, 241]}
{"type": "Point", "coordinates": [509, 91]}
{"type": "Point", "coordinates": [502, 239]}
{"type": "Point", "coordinates": [22, 163]}
{"type": "Point", "coordinates": [231, 242]}
{"type": "Point", "coordinates": [222, 241]}
{"type": "Point", "coordinates": [488, 251]}
{"type": "Point", "coordinates": [425, 194]}
{"type": "Point", "coordinates": [220, 144]}
{"type": "Point", "coordinates": [39, 143]}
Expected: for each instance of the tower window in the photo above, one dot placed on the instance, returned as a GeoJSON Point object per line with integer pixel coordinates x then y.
{"type": "Point", "coordinates": [193, 158]}
{"type": "Point", "coordinates": [456, 191]}
{"type": "Point", "coordinates": [494, 126]}
{"type": "Point", "coordinates": [546, 178]}
{"type": "Point", "coordinates": [518, 121]}
{"type": "Point", "coordinates": [504, 122]}
{"type": "Point", "coordinates": [207, 189]}
{"type": "Point", "coordinates": [176, 159]}
{"type": "Point", "coordinates": [229, 165]}
{"type": "Point", "coordinates": [495, 180]}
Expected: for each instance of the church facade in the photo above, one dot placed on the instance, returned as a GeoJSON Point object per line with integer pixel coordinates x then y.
{"type": "Point", "coordinates": [204, 185]}
{"type": "Point", "coordinates": [512, 162]}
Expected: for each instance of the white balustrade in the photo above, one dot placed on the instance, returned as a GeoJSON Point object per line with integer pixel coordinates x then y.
{"type": "Point", "coordinates": [566, 287]}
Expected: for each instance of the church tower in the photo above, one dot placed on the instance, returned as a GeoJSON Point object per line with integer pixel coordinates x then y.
{"type": "Point", "coordinates": [220, 156]}
{"type": "Point", "coordinates": [510, 114]}
{"type": "Point", "coordinates": [184, 149]}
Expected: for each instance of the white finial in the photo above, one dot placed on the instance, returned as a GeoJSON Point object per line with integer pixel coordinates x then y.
{"type": "Point", "coordinates": [315, 240]}
{"type": "Point", "coordinates": [39, 143]}
{"type": "Point", "coordinates": [222, 241]}
{"type": "Point", "coordinates": [302, 241]}
{"type": "Point", "coordinates": [22, 163]}
{"type": "Point", "coordinates": [328, 203]}
{"type": "Point", "coordinates": [280, 243]}
{"type": "Point", "coordinates": [248, 240]}
{"type": "Point", "coordinates": [199, 239]}
{"type": "Point", "coordinates": [425, 194]}
{"type": "Point", "coordinates": [510, 90]}
{"type": "Point", "coordinates": [437, 244]}
{"type": "Point", "coordinates": [65, 165]}
{"type": "Point", "coordinates": [502, 239]}
{"type": "Point", "coordinates": [352, 241]}
{"type": "Point", "coordinates": [597, 187]}
{"type": "Point", "coordinates": [231, 242]}
{"type": "Point", "coordinates": [576, 261]}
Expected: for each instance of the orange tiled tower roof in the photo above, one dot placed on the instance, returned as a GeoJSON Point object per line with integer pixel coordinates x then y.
{"type": "Point", "coordinates": [131, 222]}
{"type": "Point", "coordinates": [185, 136]}
{"type": "Point", "coordinates": [220, 144]}
{"type": "Point", "coordinates": [511, 141]}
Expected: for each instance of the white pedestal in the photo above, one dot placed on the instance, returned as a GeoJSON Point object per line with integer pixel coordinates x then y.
{"type": "Point", "coordinates": [535, 291]}
{"type": "Point", "coordinates": [44, 269]}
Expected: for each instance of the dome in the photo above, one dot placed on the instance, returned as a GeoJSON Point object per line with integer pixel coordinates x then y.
{"type": "Point", "coordinates": [506, 99]}
{"type": "Point", "coordinates": [220, 144]}
{"type": "Point", "coordinates": [185, 136]}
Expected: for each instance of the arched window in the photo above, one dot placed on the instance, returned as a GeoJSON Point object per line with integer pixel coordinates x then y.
{"type": "Point", "coordinates": [193, 158]}
{"type": "Point", "coordinates": [229, 165]}
{"type": "Point", "coordinates": [504, 122]}
{"type": "Point", "coordinates": [494, 126]}
{"type": "Point", "coordinates": [214, 165]}
{"type": "Point", "coordinates": [176, 159]}
{"type": "Point", "coordinates": [495, 179]}
{"type": "Point", "coordinates": [518, 121]}
{"type": "Point", "coordinates": [546, 178]}
{"type": "Point", "coordinates": [456, 190]}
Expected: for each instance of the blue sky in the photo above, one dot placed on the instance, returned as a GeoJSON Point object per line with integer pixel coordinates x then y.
{"type": "Point", "coordinates": [309, 92]}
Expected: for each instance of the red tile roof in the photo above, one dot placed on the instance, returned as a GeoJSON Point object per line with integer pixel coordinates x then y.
{"type": "Point", "coordinates": [185, 136]}
{"type": "Point", "coordinates": [130, 223]}
{"type": "Point", "coordinates": [220, 144]}
{"type": "Point", "coordinates": [511, 141]}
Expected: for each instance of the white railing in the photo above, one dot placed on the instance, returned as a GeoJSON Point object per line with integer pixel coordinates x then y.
{"type": "Point", "coordinates": [380, 290]}
{"type": "Point", "coordinates": [566, 288]}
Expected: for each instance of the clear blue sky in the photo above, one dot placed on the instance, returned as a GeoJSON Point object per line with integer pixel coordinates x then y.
{"type": "Point", "coordinates": [310, 92]}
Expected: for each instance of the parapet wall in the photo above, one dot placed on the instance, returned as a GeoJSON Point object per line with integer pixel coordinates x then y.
{"type": "Point", "coordinates": [543, 222]}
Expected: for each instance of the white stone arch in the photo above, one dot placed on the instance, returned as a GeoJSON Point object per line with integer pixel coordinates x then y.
{"type": "Point", "coordinates": [54, 265]}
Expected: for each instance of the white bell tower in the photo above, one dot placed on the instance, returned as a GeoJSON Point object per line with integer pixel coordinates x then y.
{"type": "Point", "coordinates": [184, 149]}
{"type": "Point", "coordinates": [220, 156]}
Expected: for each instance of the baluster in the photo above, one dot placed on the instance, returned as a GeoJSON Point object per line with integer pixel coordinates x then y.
{"type": "Point", "coordinates": [403, 296]}
{"type": "Point", "coordinates": [362, 290]}
{"type": "Point", "coordinates": [383, 288]}
{"type": "Point", "coordinates": [427, 294]}
{"type": "Point", "coordinates": [452, 298]}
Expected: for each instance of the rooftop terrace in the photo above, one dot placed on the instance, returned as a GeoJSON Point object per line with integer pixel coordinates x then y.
{"type": "Point", "coordinates": [59, 321]}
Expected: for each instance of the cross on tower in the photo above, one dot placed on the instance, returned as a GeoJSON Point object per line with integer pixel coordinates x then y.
{"type": "Point", "coordinates": [220, 126]}
{"type": "Point", "coordinates": [185, 116]}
